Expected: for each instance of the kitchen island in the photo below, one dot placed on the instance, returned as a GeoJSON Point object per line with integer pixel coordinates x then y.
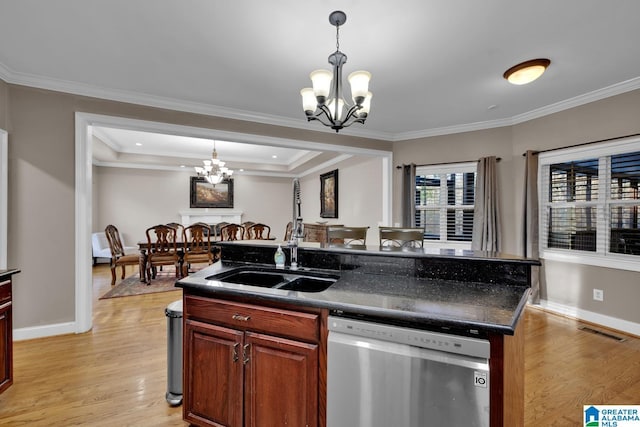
{"type": "Point", "coordinates": [264, 333]}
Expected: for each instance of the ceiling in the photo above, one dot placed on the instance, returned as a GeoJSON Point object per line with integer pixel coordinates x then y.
{"type": "Point", "coordinates": [436, 65]}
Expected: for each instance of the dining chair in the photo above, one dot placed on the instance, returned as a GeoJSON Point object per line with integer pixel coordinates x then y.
{"type": "Point", "coordinates": [162, 250]}
{"type": "Point", "coordinates": [119, 258]}
{"type": "Point", "coordinates": [179, 228]}
{"type": "Point", "coordinates": [288, 231]}
{"type": "Point", "coordinates": [247, 224]}
{"type": "Point", "coordinates": [258, 231]}
{"type": "Point", "coordinates": [197, 246]}
{"type": "Point", "coordinates": [399, 237]}
{"type": "Point", "coordinates": [217, 230]}
{"type": "Point", "coordinates": [347, 236]}
{"type": "Point", "coordinates": [231, 232]}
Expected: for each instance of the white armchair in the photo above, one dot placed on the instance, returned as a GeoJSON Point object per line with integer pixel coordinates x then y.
{"type": "Point", "coordinates": [100, 247]}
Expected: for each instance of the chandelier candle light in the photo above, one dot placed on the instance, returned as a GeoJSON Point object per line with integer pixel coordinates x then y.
{"type": "Point", "coordinates": [214, 170]}
{"type": "Point", "coordinates": [324, 102]}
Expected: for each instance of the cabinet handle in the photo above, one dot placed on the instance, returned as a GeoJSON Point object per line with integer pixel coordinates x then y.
{"type": "Point", "coordinates": [235, 352]}
{"type": "Point", "coordinates": [241, 317]}
{"type": "Point", "coordinates": [245, 354]}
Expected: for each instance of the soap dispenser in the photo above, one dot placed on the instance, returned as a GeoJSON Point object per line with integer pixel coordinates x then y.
{"type": "Point", "coordinates": [279, 257]}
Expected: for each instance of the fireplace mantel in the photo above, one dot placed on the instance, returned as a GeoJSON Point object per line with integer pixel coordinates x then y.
{"type": "Point", "coordinates": [210, 216]}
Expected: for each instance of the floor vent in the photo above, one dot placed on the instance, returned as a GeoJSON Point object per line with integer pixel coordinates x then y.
{"type": "Point", "coordinates": [604, 334]}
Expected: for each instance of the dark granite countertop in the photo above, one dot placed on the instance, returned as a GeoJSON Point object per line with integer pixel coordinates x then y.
{"type": "Point", "coordinates": [459, 306]}
{"type": "Point", "coordinates": [4, 274]}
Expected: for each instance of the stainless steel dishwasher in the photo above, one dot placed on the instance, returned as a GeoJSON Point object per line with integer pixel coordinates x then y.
{"type": "Point", "coordinates": [380, 375]}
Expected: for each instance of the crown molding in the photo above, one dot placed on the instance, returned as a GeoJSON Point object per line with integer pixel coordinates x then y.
{"type": "Point", "coordinates": [82, 89]}
{"type": "Point", "coordinates": [189, 170]}
{"type": "Point", "coordinates": [596, 95]}
{"type": "Point", "coordinates": [138, 98]}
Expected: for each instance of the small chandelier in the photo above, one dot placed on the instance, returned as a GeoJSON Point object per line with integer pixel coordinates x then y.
{"type": "Point", "coordinates": [214, 170]}
{"type": "Point", "coordinates": [325, 102]}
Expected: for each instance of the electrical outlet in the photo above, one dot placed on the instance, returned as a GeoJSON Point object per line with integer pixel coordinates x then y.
{"type": "Point", "coordinates": [598, 295]}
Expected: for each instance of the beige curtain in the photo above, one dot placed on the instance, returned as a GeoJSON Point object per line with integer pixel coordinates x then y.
{"type": "Point", "coordinates": [486, 216]}
{"type": "Point", "coordinates": [409, 195]}
{"type": "Point", "coordinates": [530, 230]}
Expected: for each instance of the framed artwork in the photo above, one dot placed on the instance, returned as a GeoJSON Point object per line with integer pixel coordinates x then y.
{"type": "Point", "coordinates": [205, 195]}
{"type": "Point", "coordinates": [329, 194]}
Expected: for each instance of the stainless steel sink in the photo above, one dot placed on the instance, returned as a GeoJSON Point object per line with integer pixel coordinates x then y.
{"type": "Point", "coordinates": [277, 279]}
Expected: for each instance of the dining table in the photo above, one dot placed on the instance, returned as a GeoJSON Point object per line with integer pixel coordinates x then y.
{"type": "Point", "coordinates": [144, 246]}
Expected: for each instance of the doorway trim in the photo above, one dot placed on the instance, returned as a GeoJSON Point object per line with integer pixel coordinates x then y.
{"type": "Point", "coordinates": [4, 197]}
{"type": "Point", "coordinates": [84, 123]}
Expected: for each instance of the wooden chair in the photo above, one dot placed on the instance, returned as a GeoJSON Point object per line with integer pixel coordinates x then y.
{"type": "Point", "coordinates": [161, 240]}
{"type": "Point", "coordinates": [118, 256]}
{"type": "Point", "coordinates": [258, 231]}
{"type": "Point", "coordinates": [197, 246]}
{"type": "Point", "coordinates": [216, 230]}
{"type": "Point", "coordinates": [231, 232]}
{"type": "Point", "coordinates": [179, 228]}
{"type": "Point", "coordinates": [288, 231]}
{"type": "Point", "coordinates": [347, 236]}
{"type": "Point", "coordinates": [247, 224]}
{"type": "Point", "coordinates": [399, 237]}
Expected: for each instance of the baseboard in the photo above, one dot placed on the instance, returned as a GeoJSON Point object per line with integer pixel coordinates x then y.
{"type": "Point", "coordinates": [591, 317]}
{"type": "Point", "coordinates": [33, 332]}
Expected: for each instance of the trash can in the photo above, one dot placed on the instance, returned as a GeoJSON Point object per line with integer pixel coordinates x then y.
{"type": "Point", "coordinates": [174, 353]}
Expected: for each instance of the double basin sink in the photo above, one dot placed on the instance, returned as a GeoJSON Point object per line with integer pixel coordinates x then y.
{"type": "Point", "coordinates": [290, 280]}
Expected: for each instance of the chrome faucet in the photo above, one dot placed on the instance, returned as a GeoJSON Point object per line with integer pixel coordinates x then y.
{"type": "Point", "coordinates": [297, 232]}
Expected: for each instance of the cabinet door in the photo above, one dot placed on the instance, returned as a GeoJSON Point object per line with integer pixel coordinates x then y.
{"type": "Point", "coordinates": [213, 375]}
{"type": "Point", "coordinates": [5, 346]}
{"type": "Point", "coordinates": [281, 382]}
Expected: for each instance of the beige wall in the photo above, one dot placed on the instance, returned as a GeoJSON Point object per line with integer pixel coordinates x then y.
{"type": "Point", "coordinates": [569, 285]}
{"type": "Point", "coordinates": [462, 147]}
{"type": "Point", "coordinates": [572, 284]}
{"type": "Point", "coordinates": [4, 104]}
{"type": "Point", "coordinates": [42, 188]}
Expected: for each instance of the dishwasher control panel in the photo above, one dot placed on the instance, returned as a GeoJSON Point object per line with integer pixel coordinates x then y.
{"type": "Point", "coordinates": [457, 344]}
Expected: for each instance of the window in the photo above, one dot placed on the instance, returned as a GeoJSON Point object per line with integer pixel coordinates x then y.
{"type": "Point", "coordinates": [590, 203]}
{"type": "Point", "coordinates": [444, 201]}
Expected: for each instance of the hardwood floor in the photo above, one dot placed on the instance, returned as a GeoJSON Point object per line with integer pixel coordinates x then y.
{"type": "Point", "coordinates": [566, 368]}
{"type": "Point", "coordinates": [115, 375]}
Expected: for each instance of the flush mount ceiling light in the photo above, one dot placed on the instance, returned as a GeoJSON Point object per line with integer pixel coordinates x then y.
{"type": "Point", "coordinates": [214, 170]}
{"type": "Point", "coordinates": [324, 102]}
{"type": "Point", "coordinates": [527, 71]}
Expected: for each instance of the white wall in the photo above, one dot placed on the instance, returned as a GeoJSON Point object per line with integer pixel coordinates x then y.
{"type": "Point", "coordinates": [359, 195]}
{"type": "Point", "coordinates": [136, 199]}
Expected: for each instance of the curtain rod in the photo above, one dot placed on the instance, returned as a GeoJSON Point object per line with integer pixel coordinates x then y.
{"type": "Point", "coordinates": [584, 143]}
{"type": "Point", "coordinates": [448, 163]}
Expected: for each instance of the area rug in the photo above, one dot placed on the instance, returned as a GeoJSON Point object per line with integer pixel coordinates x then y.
{"type": "Point", "coordinates": [132, 285]}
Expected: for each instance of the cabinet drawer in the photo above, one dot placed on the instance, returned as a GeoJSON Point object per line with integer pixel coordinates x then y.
{"type": "Point", "coordinates": [5, 291]}
{"type": "Point", "coordinates": [277, 321]}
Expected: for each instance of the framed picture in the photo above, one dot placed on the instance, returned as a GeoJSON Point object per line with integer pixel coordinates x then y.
{"type": "Point", "coordinates": [329, 194]}
{"type": "Point", "coordinates": [205, 195]}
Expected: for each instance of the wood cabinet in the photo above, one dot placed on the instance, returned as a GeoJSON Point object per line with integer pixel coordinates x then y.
{"type": "Point", "coordinates": [250, 365]}
{"type": "Point", "coordinates": [6, 334]}
{"type": "Point", "coordinates": [317, 232]}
